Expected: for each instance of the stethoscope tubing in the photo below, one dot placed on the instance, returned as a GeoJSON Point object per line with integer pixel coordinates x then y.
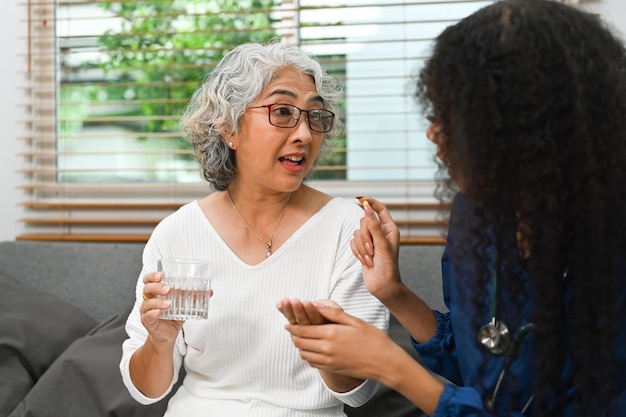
{"type": "Point", "coordinates": [512, 351]}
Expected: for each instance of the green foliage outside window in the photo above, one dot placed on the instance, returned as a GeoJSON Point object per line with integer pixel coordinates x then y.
{"type": "Point", "coordinates": [164, 49]}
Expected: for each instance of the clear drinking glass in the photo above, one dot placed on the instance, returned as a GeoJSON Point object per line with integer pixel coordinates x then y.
{"type": "Point", "coordinates": [190, 280]}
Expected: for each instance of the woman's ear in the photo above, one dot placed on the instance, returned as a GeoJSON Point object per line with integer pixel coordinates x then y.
{"type": "Point", "coordinates": [230, 138]}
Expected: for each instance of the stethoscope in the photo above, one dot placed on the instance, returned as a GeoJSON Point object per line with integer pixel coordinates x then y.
{"type": "Point", "coordinates": [496, 338]}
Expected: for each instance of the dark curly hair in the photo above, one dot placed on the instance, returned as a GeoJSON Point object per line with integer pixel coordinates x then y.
{"type": "Point", "coordinates": [530, 97]}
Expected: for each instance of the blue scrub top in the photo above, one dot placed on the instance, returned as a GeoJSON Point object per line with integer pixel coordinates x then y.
{"type": "Point", "coordinates": [455, 353]}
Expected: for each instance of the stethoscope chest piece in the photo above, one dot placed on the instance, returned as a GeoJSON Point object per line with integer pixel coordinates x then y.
{"type": "Point", "coordinates": [495, 337]}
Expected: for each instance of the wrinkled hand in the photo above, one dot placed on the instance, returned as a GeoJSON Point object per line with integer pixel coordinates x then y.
{"type": "Point", "coordinates": [376, 245]}
{"type": "Point", "coordinates": [346, 345]}
{"type": "Point", "coordinates": [164, 331]}
{"type": "Point", "coordinates": [303, 312]}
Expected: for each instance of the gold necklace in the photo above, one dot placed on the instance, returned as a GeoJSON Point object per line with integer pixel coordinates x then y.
{"type": "Point", "coordinates": [268, 243]}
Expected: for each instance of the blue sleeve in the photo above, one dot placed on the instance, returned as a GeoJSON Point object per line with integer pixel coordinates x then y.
{"type": "Point", "coordinates": [439, 353]}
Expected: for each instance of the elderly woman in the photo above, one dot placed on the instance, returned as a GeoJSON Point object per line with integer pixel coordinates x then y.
{"type": "Point", "coordinates": [257, 125]}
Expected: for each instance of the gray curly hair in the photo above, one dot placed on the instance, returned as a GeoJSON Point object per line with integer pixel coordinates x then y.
{"type": "Point", "coordinates": [235, 83]}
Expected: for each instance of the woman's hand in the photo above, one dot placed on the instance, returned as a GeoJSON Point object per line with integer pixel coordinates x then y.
{"type": "Point", "coordinates": [161, 331]}
{"type": "Point", "coordinates": [376, 245]}
{"type": "Point", "coordinates": [346, 345]}
{"type": "Point", "coordinates": [307, 314]}
{"type": "Point", "coordinates": [302, 312]}
{"type": "Point", "coordinates": [152, 365]}
{"type": "Point", "coordinates": [354, 348]}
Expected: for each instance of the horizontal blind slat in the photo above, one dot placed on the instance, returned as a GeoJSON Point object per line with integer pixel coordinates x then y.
{"type": "Point", "coordinates": [142, 238]}
{"type": "Point", "coordinates": [91, 222]}
{"type": "Point", "coordinates": [96, 205]}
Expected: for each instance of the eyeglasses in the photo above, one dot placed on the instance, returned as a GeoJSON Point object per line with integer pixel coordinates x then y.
{"type": "Point", "coordinates": [287, 115]}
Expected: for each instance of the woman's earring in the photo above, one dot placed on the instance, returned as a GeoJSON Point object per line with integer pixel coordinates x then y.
{"type": "Point", "coordinates": [231, 144]}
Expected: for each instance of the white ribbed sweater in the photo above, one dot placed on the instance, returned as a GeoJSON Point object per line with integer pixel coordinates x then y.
{"type": "Point", "coordinates": [241, 361]}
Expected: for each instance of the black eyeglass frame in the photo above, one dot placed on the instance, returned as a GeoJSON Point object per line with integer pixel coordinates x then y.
{"type": "Point", "coordinates": [297, 119]}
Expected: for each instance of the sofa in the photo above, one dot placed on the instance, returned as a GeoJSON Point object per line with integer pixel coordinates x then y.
{"type": "Point", "coordinates": [62, 312]}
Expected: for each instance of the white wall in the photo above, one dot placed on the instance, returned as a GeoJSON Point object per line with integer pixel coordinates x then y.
{"type": "Point", "coordinates": [13, 32]}
{"type": "Point", "coordinates": [612, 11]}
{"type": "Point", "coordinates": [13, 41]}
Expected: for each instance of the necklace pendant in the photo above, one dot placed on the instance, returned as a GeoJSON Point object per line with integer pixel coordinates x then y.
{"type": "Point", "coordinates": [268, 244]}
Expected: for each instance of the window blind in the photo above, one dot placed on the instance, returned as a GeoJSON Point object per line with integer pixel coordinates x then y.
{"type": "Point", "coordinates": [108, 81]}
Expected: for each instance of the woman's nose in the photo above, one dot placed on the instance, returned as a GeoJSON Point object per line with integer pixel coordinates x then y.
{"type": "Point", "coordinates": [302, 129]}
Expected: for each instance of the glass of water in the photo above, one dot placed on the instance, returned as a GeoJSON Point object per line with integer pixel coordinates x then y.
{"type": "Point", "coordinates": [190, 281]}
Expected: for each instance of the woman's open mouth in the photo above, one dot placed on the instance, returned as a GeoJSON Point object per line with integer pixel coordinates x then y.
{"type": "Point", "coordinates": [292, 160]}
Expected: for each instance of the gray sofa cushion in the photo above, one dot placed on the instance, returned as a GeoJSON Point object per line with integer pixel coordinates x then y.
{"type": "Point", "coordinates": [85, 380]}
{"type": "Point", "coordinates": [98, 278]}
{"type": "Point", "coordinates": [36, 328]}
